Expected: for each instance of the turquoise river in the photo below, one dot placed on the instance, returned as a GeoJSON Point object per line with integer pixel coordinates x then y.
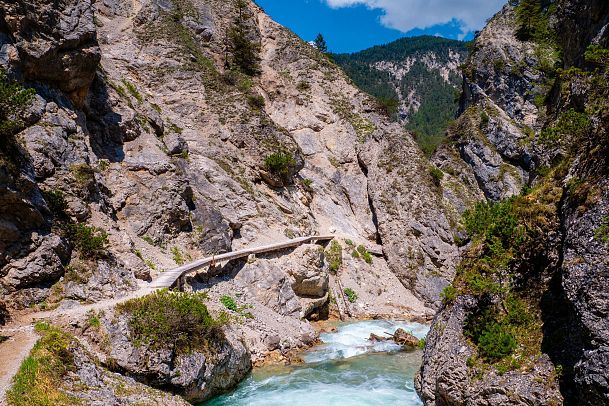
{"type": "Point", "coordinates": [346, 369]}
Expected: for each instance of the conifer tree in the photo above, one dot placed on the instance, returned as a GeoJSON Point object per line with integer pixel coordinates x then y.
{"type": "Point", "coordinates": [320, 44]}
{"type": "Point", "coordinates": [528, 19]}
{"type": "Point", "coordinates": [244, 51]}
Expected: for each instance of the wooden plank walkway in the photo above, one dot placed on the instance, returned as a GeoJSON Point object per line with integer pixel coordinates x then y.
{"type": "Point", "coordinates": [168, 278]}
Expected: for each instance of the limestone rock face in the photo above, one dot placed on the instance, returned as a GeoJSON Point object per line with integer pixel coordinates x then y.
{"type": "Point", "coordinates": [196, 376]}
{"type": "Point", "coordinates": [498, 142]}
{"type": "Point", "coordinates": [446, 378]}
{"type": "Point", "coordinates": [56, 41]}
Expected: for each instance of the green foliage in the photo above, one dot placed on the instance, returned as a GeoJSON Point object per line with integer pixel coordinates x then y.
{"type": "Point", "coordinates": [334, 256]}
{"type": "Point", "coordinates": [436, 174]}
{"type": "Point", "coordinates": [421, 343]}
{"type": "Point", "coordinates": [91, 242]}
{"type": "Point", "coordinates": [496, 342]}
{"type": "Point", "coordinates": [14, 99]}
{"type": "Point", "coordinates": [279, 163]}
{"type": "Point", "coordinates": [439, 99]}
{"type": "Point", "coordinates": [597, 55]}
{"type": "Point", "coordinates": [243, 50]}
{"type": "Point", "coordinates": [93, 320]}
{"type": "Point", "coordinates": [177, 321]}
{"type": "Point", "coordinates": [602, 231]}
{"type": "Point", "coordinates": [389, 106]}
{"type": "Point", "coordinates": [364, 254]}
{"type": "Point", "coordinates": [148, 239]}
{"type": "Point", "coordinates": [351, 295]}
{"type": "Point", "coordinates": [307, 183]}
{"type": "Point", "coordinates": [493, 221]}
{"type": "Point", "coordinates": [133, 91]}
{"type": "Point", "coordinates": [40, 376]}
{"type": "Point", "coordinates": [303, 86]}
{"type": "Point", "coordinates": [83, 174]}
{"type": "Point", "coordinates": [229, 303]}
{"type": "Point", "coordinates": [255, 101]}
{"type": "Point", "coordinates": [528, 19]}
{"type": "Point", "coordinates": [448, 294]}
{"type": "Point", "coordinates": [56, 202]}
{"type": "Point", "coordinates": [320, 44]}
{"type": "Point", "coordinates": [178, 257]}
{"type": "Point", "coordinates": [571, 123]}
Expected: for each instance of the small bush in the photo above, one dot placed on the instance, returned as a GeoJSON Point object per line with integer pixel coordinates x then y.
{"type": "Point", "coordinates": [279, 163]}
{"type": "Point", "coordinates": [307, 183]}
{"type": "Point", "coordinates": [602, 231]}
{"type": "Point", "coordinates": [178, 257]}
{"type": "Point", "coordinates": [256, 102]}
{"type": "Point", "coordinates": [171, 320]}
{"type": "Point", "coordinates": [351, 295]}
{"type": "Point", "coordinates": [334, 256]}
{"type": "Point", "coordinates": [349, 242]}
{"type": "Point", "coordinates": [421, 343]}
{"type": "Point", "coordinates": [133, 90]}
{"type": "Point", "coordinates": [229, 303]}
{"type": "Point", "coordinates": [436, 174]}
{"type": "Point", "coordinates": [91, 242]}
{"type": "Point", "coordinates": [449, 294]}
{"type": "Point", "coordinates": [597, 55]}
{"type": "Point", "coordinates": [303, 86]}
{"type": "Point", "coordinates": [484, 118]}
{"type": "Point", "coordinates": [56, 202]}
{"type": "Point", "coordinates": [14, 99]}
{"type": "Point", "coordinates": [364, 254]}
{"type": "Point", "coordinates": [496, 342]}
{"type": "Point", "coordinates": [83, 174]}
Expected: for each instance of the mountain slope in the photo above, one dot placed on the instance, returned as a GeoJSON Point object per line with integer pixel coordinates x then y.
{"type": "Point", "coordinates": [525, 320]}
{"type": "Point", "coordinates": [164, 131]}
{"type": "Point", "coordinates": [420, 73]}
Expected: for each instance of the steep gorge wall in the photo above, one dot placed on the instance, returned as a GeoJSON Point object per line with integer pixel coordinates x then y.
{"type": "Point", "coordinates": [534, 126]}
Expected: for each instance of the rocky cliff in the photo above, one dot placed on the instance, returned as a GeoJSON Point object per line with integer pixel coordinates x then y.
{"type": "Point", "coordinates": [157, 132]}
{"type": "Point", "coordinates": [524, 320]}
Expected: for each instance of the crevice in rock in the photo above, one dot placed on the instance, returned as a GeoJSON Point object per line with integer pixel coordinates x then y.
{"type": "Point", "coordinates": [375, 221]}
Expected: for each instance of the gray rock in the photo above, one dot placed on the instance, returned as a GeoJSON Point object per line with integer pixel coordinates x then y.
{"type": "Point", "coordinates": [56, 43]}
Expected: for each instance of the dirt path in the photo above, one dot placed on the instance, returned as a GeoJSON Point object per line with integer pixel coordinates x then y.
{"type": "Point", "coordinates": [12, 353]}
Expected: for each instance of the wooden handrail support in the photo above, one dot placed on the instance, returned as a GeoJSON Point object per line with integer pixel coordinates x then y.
{"type": "Point", "coordinates": [168, 278]}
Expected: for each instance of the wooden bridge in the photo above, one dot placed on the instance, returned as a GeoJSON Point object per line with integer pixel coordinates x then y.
{"type": "Point", "coordinates": [168, 278]}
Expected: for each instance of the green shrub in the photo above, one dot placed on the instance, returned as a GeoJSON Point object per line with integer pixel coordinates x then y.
{"type": "Point", "coordinates": [496, 342]}
{"type": "Point", "coordinates": [597, 55]}
{"type": "Point", "coordinates": [351, 295]}
{"type": "Point", "coordinates": [436, 174]}
{"type": "Point", "coordinates": [484, 118]}
{"type": "Point", "coordinates": [571, 123]}
{"type": "Point", "coordinates": [421, 343]}
{"type": "Point", "coordinates": [229, 303]}
{"type": "Point", "coordinates": [303, 86]}
{"type": "Point", "coordinates": [448, 294]}
{"type": "Point", "coordinates": [334, 256]}
{"type": "Point", "coordinates": [349, 242]}
{"type": "Point", "coordinates": [40, 376]}
{"type": "Point", "coordinates": [364, 254]}
{"type": "Point", "coordinates": [307, 183]}
{"type": "Point", "coordinates": [517, 311]}
{"type": "Point", "coordinates": [133, 90]}
{"type": "Point", "coordinates": [14, 99]}
{"type": "Point", "coordinates": [388, 105]}
{"type": "Point", "coordinates": [255, 101]}
{"type": "Point", "coordinates": [492, 220]}
{"type": "Point", "coordinates": [178, 257]}
{"type": "Point", "coordinates": [178, 321]}
{"type": "Point", "coordinates": [602, 231]}
{"type": "Point", "coordinates": [83, 174]}
{"type": "Point", "coordinates": [56, 202]}
{"type": "Point", "coordinates": [91, 242]}
{"type": "Point", "coordinates": [279, 163]}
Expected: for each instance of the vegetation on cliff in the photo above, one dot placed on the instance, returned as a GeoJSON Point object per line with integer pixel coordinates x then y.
{"type": "Point", "coordinates": [176, 320]}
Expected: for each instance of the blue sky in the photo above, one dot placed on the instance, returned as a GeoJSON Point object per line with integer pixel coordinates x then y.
{"type": "Point", "coordinates": [353, 25]}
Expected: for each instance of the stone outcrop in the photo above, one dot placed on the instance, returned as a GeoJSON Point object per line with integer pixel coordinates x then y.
{"type": "Point", "coordinates": [196, 375]}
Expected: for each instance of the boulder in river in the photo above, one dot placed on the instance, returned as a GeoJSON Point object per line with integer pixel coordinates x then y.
{"type": "Point", "coordinates": [402, 337]}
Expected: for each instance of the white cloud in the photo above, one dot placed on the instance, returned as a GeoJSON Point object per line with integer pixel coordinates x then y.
{"type": "Point", "coordinates": [405, 15]}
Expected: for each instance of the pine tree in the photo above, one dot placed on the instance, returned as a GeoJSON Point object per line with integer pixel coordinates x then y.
{"type": "Point", "coordinates": [244, 50]}
{"type": "Point", "coordinates": [528, 19]}
{"type": "Point", "coordinates": [320, 44]}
